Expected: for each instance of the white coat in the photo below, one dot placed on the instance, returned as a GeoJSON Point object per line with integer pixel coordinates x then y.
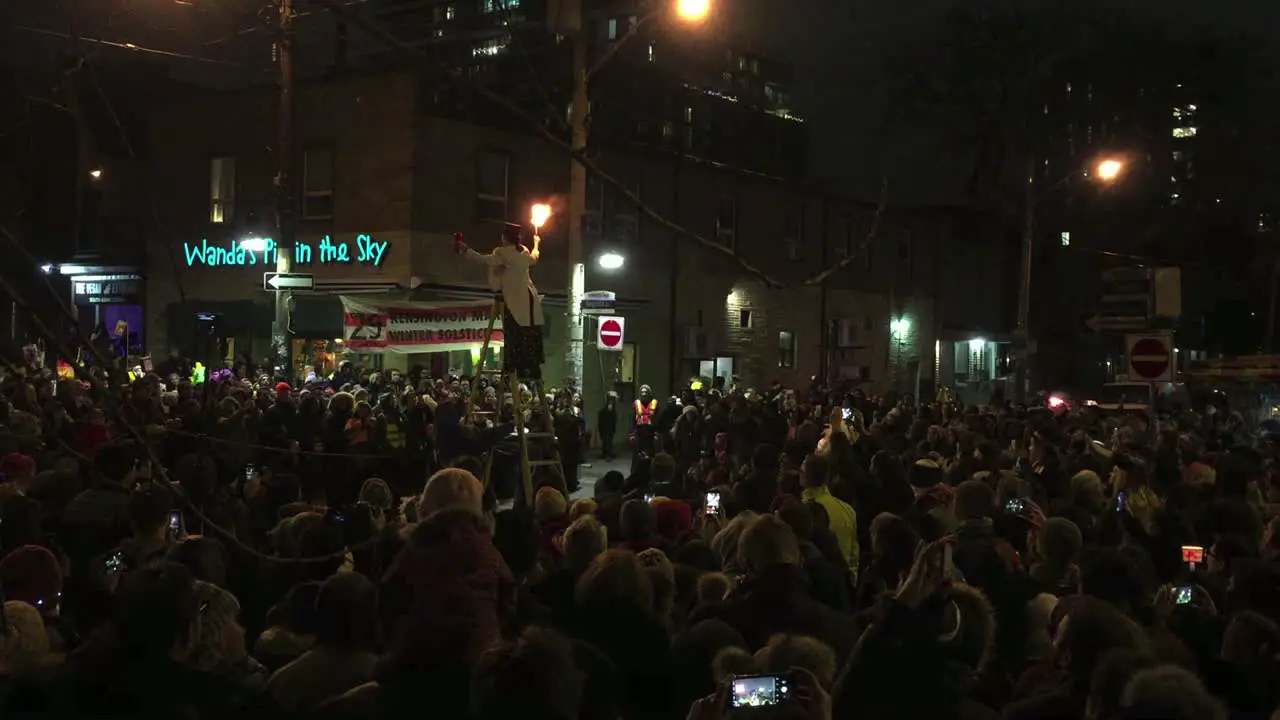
{"type": "Point", "coordinates": [509, 274]}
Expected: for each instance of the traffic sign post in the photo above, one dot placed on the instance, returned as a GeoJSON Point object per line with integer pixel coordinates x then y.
{"type": "Point", "coordinates": [1151, 357]}
{"type": "Point", "coordinates": [598, 302]}
{"type": "Point", "coordinates": [287, 281]}
{"type": "Point", "coordinates": [609, 333]}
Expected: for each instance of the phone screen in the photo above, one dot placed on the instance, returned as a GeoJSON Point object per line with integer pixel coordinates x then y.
{"type": "Point", "coordinates": [847, 413]}
{"type": "Point", "coordinates": [175, 523]}
{"type": "Point", "coordinates": [250, 471]}
{"type": "Point", "coordinates": [114, 563]}
{"type": "Point", "coordinates": [1192, 554]}
{"type": "Point", "coordinates": [1121, 498]}
{"type": "Point", "coordinates": [1182, 595]}
{"type": "Point", "coordinates": [1015, 506]}
{"type": "Point", "coordinates": [760, 691]}
{"type": "Point", "coordinates": [713, 503]}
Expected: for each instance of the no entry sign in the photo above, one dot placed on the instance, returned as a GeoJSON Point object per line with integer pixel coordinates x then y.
{"type": "Point", "coordinates": [609, 334]}
{"type": "Point", "coordinates": [1151, 357]}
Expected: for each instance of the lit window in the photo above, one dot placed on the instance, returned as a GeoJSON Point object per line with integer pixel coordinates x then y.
{"type": "Point", "coordinates": [786, 349]}
{"type": "Point", "coordinates": [612, 29]}
{"type": "Point", "coordinates": [488, 6]}
{"type": "Point", "coordinates": [222, 189]}
{"type": "Point", "coordinates": [317, 184]}
{"type": "Point", "coordinates": [1184, 132]}
{"type": "Point", "coordinates": [1065, 239]}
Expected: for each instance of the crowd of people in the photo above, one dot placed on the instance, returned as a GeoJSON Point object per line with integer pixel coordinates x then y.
{"type": "Point", "coordinates": [236, 547]}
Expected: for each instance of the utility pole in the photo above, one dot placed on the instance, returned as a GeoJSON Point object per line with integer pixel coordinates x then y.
{"type": "Point", "coordinates": [578, 129]}
{"type": "Point", "coordinates": [1022, 333]}
{"type": "Point", "coordinates": [285, 197]}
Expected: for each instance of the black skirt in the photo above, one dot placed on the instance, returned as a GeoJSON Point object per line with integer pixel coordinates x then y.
{"type": "Point", "coordinates": [522, 351]}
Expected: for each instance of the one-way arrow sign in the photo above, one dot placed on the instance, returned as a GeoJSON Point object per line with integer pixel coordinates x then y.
{"type": "Point", "coordinates": [287, 281]}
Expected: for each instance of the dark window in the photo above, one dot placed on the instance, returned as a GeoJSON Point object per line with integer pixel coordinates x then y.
{"type": "Point", "coordinates": [317, 183]}
{"type": "Point", "coordinates": [492, 185]}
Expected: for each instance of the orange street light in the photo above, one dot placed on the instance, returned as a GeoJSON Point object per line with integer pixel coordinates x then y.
{"type": "Point", "coordinates": [539, 214]}
{"type": "Point", "coordinates": [1109, 170]}
{"type": "Point", "coordinates": [693, 10]}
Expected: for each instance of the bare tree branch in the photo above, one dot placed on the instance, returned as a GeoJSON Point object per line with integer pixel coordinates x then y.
{"type": "Point", "coordinates": [863, 248]}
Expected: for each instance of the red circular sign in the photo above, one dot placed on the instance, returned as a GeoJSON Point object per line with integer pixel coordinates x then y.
{"type": "Point", "coordinates": [610, 333]}
{"type": "Point", "coordinates": [1149, 358]}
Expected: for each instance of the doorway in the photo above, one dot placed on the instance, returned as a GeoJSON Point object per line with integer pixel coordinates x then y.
{"type": "Point", "coordinates": [716, 371]}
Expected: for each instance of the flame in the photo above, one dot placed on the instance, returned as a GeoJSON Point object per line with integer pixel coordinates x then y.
{"type": "Point", "coordinates": [539, 214]}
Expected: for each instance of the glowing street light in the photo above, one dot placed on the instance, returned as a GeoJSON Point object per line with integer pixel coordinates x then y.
{"type": "Point", "coordinates": [611, 261]}
{"type": "Point", "coordinates": [539, 214]}
{"type": "Point", "coordinates": [254, 243]}
{"type": "Point", "coordinates": [693, 10]}
{"type": "Point", "coordinates": [1109, 170]}
{"type": "Point", "coordinates": [95, 173]}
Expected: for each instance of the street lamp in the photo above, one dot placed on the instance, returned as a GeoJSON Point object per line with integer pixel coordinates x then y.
{"type": "Point", "coordinates": [253, 243]}
{"type": "Point", "coordinates": [693, 10]}
{"type": "Point", "coordinates": [575, 24]}
{"type": "Point", "coordinates": [1108, 171]}
{"type": "Point", "coordinates": [611, 261]}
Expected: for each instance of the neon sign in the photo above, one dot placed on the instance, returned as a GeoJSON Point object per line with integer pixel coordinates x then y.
{"type": "Point", "coordinates": [364, 251]}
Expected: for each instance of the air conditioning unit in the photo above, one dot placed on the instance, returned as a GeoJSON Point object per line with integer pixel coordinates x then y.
{"type": "Point", "coordinates": [695, 343]}
{"type": "Point", "coordinates": [846, 333]}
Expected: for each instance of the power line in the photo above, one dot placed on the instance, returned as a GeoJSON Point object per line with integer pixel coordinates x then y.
{"type": "Point", "coordinates": [132, 47]}
{"type": "Point", "coordinates": [539, 129]}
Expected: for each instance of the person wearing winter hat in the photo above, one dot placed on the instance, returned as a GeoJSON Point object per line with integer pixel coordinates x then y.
{"type": "Point", "coordinates": [377, 493]}
{"type": "Point", "coordinates": [16, 472]}
{"type": "Point", "coordinates": [31, 574]}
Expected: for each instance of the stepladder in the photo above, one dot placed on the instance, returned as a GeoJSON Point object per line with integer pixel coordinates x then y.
{"type": "Point", "coordinates": [531, 419]}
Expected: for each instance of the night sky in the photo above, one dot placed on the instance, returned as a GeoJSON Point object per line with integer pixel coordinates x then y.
{"type": "Point", "coordinates": [858, 40]}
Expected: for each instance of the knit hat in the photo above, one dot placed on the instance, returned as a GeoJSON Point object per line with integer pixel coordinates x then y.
{"type": "Point", "coordinates": [15, 464]}
{"type": "Point", "coordinates": [32, 574]}
{"type": "Point", "coordinates": [282, 389]}
{"type": "Point", "coordinates": [377, 493]}
{"type": "Point", "coordinates": [924, 474]}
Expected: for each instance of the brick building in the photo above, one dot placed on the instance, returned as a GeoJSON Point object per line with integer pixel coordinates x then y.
{"type": "Point", "coordinates": [374, 159]}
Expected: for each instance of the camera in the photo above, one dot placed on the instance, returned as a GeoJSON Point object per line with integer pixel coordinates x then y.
{"type": "Point", "coordinates": [760, 690]}
{"type": "Point", "coordinates": [1182, 595]}
{"type": "Point", "coordinates": [713, 503]}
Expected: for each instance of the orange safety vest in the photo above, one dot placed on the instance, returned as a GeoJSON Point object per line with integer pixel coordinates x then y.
{"type": "Point", "coordinates": [644, 413]}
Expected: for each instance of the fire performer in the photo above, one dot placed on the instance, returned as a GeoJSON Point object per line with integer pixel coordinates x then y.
{"type": "Point", "coordinates": [509, 265]}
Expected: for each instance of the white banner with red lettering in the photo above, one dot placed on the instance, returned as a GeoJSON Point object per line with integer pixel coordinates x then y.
{"type": "Point", "coordinates": [416, 327]}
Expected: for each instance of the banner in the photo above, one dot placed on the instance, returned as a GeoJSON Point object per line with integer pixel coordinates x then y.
{"type": "Point", "coordinates": [416, 327]}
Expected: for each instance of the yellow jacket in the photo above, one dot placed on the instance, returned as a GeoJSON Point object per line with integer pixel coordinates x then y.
{"type": "Point", "coordinates": [844, 522]}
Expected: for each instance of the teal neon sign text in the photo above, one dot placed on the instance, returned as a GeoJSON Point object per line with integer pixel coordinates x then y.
{"type": "Point", "coordinates": [364, 251]}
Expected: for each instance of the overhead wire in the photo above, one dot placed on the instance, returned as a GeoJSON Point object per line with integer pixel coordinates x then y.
{"type": "Point", "coordinates": [378, 32]}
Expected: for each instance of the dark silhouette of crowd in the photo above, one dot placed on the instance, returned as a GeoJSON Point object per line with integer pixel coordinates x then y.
{"type": "Point", "coordinates": [238, 548]}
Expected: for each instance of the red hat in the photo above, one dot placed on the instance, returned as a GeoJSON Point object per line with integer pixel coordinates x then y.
{"type": "Point", "coordinates": [15, 464]}
{"type": "Point", "coordinates": [33, 575]}
{"type": "Point", "coordinates": [282, 389]}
